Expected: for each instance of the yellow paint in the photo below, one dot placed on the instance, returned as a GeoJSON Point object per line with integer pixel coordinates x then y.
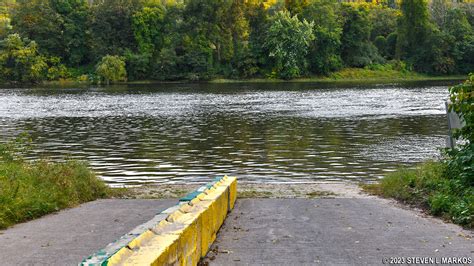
{"type": "Point", "coordinates": [195, 201]}
{"type": "Point", "coordinates": [174, 216]}
{"type": "Point", "coordinates": [186, 234]}
{"type": "Point", "coordinates": [117, 258]}
{"type": "Point", "coordinates": [160, 250]}
{"type": "Point", "coordinates": [143, 238]}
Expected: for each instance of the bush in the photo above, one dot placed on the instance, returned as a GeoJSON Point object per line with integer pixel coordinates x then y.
{"type": "Point", "coordinates": [288, 40]}
{"type": "Point", "coordinates": [432, 187]}
{"type": "Point", "coordinates": [461, 158]}
{"type": "Point", "coordinates": [400, 66]}
{"type": "Point", "coordinates": [380, 67]}
{"type": "Point", "coordinates": [462, 102]}
{"type": "Point", "coordinates": [111, 69]}
{"type": "Point", "coordinates": [20, 61]}
{"type": "Point", "coordinates": [31, 189]}
{"type": "Point", "coordinates": [137, 65]}
{"type": "Point", "coordinates": [4, 25]}
{"type": "Point", "coordinates": [391, 45]}
{"type": "Point", "coordinates": [57, 70]}
{"type": "Point", "coordinates": [381, 43]}
{"type": "Point", "coordinates": [446, 188]}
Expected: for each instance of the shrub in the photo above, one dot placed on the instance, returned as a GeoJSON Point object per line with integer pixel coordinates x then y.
{"type": "Point", "coordinates": [20, 60]}
{"type": "Point", "coordinates": [446, 188]}
{"type": "Point", "coordinates": [31, 189]}
{"type": "Point", "coordinates": [288, 40]}
{"type": "Point", "coordinates": [137, 65]}
{"type": "Point", "coordinates": [57, 70]}
{"type": "Point", "coordinates": [111, 69]}
{"type": "Point", "coordinates": [381, 43]}
{"type": "Point", "coordinates": [4, 25]}
{"type": "Point", "coordinates": [462, 102]}
{"type": "Point", "coordinates": [430, 186]}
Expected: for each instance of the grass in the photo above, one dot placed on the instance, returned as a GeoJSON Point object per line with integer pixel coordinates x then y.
{"type": "Point", "coordinates": [430, 187]}
{"type": "Point", "coordinates": [352, 75]}
{"type": "Point", "coordinates": [29, 190]}
{"type": "Point", "coordinates": [375, 74]}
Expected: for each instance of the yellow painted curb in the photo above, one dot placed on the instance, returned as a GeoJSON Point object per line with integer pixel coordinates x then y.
{"type": "Point", "coordinates": [186, 235]}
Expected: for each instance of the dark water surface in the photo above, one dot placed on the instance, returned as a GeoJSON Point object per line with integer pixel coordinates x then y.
{"type": "Point", "coordinates": [260, 132]}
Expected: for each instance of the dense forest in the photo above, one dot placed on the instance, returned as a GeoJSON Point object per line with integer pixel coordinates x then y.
{"type": "Point", "coordinates": [117, 40]}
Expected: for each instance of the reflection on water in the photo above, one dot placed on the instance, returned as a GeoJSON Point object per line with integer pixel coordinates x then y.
{"type": "Point", "coordinates": [265, 133]}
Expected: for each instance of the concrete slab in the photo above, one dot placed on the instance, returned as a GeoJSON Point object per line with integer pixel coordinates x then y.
{"type": "Point", "coordinates": [71, 235]}
{"type": "Point", "coordinates": [338, 231]}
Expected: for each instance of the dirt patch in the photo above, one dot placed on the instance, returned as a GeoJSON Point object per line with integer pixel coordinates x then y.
{"type": "Point", "coordinates": [253, 190]}
{"type": "Point", "coordinates": [301, 190]}
{"type": "Point", "coordinates": [171, 191]}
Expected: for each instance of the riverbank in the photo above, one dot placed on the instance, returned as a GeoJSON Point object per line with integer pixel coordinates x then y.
{"type": "Point", "coordinates": [358, 75]}
{"type": "Point", "coordinates": [253, 190]}
{"type": "Point", "coordinates": [365, 229]}
{"type": "Point", "coordinates": [29, 190]}
{"type": "Point", "coordinates": [431, 188]}
{"type": "Point", "coordinates": [348, 75]}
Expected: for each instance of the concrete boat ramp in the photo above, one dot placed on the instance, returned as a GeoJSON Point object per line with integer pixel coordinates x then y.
{"type": "Point", "coordinates": [330, 230]}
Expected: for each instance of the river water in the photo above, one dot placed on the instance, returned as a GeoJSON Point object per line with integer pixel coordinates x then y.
{"type": "Point", "coordinates": [175, 133]}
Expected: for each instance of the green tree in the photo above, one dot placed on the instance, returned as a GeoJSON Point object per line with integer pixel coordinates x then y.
{"type": "Point", "coordinates": [390, 49]}
{"type": "Point", "coordinates": [357, 50]}
{"type": "Point", "coordinates": [5, 21]}
{"type": "Point", "coordinates": [414, 31]}
{"type": "Point", "coordinates": [438, 11]}
{"type": "Point", "coordinates": [4, 25]}
{"type": "Point", "coordinates": [288, 40]}
{"type": "Point", "coordinates": [208, 39]}
{"type": "Point", "coordinates": [149, 31]}
{"type": "Point", "coordinates": [241, 62]}
{"type": "Point", "coordinates": [20, 61]}
{"type": "Point", "coordinates": [383, 21]}
{"type": "Point", "coordinates": [111, 27]}
{"type": "Point", "coordinates": [58, 26]}
{"type": "Point", "coordinates": [148, 28]}
{"type": "Point", "coordinates": [111, 69]}
{"type": "Point", "coordinates": [462, 39]}
{"type": "Point", "coordinates": [296, 7]}
{"type": "Point", "coordinates": [381, 43]}
{"type": "Point", "coordinates": [325, 49]}
{"type": "Point", "coordinates": [170, 62]}
{"type": "Point", "coordinates": [442, 48]}
{"type": "Point", "coordinates": [258, 18]}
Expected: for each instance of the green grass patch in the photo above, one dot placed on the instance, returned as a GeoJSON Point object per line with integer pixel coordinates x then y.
{"type": "Point", "coordinates": [29, 190]}
{"type": "Point", "coordinates": [376, 73]}
{"type": "Point", "coordinates": [431, 187]}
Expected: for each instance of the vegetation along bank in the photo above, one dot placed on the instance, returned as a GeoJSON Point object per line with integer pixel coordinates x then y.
{"type": "Point", "coordinates": [29, 190]}
{"type": "Point", "coordinates": [446, 187]}
{"type": "Point", "coordinates": [117, 40]}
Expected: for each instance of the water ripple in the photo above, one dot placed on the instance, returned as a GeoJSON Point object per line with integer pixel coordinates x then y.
{"type": "Point", "coordinates": [185, 133]}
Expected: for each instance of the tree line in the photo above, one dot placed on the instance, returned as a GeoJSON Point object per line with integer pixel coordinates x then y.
{"type": "Point", "coordinates": [114, 40]}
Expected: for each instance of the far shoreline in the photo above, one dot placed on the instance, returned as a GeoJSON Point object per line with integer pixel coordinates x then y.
{"type": "Point", "coordinates": [358, 76]}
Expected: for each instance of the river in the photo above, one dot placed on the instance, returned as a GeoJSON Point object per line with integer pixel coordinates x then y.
{"type": "Point", "coordinates": [269, 132]}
